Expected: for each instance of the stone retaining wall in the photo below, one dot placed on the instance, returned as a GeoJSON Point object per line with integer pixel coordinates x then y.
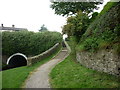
{"type": "Point", "coordinates": [104, 60]}
{"type": "Point", "coordinates": [32, 60]}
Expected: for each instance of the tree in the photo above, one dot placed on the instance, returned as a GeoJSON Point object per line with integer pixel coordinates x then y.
{"type": "Point", "coordinates": [43, 28]}
{"type": "Point", "coordinates": [76, 25]}
{"type": "Point", "coordinates": [70, 8]}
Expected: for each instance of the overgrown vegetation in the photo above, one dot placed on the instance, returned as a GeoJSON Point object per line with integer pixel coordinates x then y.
{"type": "Point", "coordinates": [15, 78]}
{"type": "Point", "coordinates": [107, 7]}
{"type": "Point", "coordinates": [69, 74]}
{"type": "Point", "coordinates": [28, 43]}
{"type": "Point", "coordinates": [104, 32]}
{"type": "Point", "coordinates": [101, 31]}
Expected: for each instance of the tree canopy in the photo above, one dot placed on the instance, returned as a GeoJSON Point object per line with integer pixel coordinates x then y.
{"type": "Point", "coordinates": [76, 25]}
{"type": "Point", "coordinates": [43, 28]}
{"type": "Point", "coordinates": [70, 8]}
{"type": "Point", "coordinates": [78, 16]}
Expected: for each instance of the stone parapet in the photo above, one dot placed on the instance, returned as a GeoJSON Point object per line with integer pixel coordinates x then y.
{"type": "Point", "coordinates": [37, 58]}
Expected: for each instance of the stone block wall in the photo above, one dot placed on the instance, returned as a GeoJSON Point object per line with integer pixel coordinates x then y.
{"type": "Point", "coordinates": [104, 60]}
{"type": "Point", "coordinates": [34, 59]}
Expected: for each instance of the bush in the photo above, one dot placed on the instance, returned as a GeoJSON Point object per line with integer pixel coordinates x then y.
{"type": "Point", "coordinates": [28, 43]}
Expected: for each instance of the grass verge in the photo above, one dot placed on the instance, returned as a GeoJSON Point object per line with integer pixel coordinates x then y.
{"type": "Point", "coordinates": [69, 74]}
{"type": "Point", "coordinates": [14, 78]}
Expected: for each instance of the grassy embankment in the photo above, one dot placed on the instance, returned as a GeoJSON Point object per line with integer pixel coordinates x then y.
{"type": "Point", "coordinates": [104, 31]}
{"type": "Point", "coordinates": [70, 74]}
{"type": "Point", "coordinates": [107, 7]}
{"type": "Point", "coordinates": [14, 78]}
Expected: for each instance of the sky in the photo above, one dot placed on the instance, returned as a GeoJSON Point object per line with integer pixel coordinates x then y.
{"type": "Point", "coordinates": [31, 14]}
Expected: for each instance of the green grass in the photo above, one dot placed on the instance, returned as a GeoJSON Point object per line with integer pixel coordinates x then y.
{"type": "Point", "coordinates": [0, 80]}
{"type": "Point", "coordinates": [69, 74]}
{"type": "Point", "coordinates": [14, 78]}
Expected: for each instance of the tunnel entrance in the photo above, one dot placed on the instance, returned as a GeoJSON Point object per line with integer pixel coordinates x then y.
{"type": "Point", "coordinates": [16, 60]}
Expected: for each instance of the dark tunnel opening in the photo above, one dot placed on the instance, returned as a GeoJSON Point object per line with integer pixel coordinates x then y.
{"type": "Point", "coordinates": [16, 61]}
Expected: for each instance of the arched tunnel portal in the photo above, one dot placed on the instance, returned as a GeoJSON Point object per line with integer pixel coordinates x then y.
{"type": "Point", "coordinates": [17, 60]}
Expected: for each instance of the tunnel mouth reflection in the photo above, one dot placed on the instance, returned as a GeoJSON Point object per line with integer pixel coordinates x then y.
{"type": "Point", "coordinates": [16, 60]}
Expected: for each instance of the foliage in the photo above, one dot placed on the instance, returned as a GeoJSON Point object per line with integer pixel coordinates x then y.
{"type": "Point", "coordinates": [107, 7]}
{"type": "Point", "coordinates": [28, 43]}
{"type": "Point", "coordinates": [69, 74]}
{"type": "Point", "coordinates": [70, 8]}
{"type": "Point", "coordinates": [43, 28]}
{"type": "Point", "coordinates": [103, 41]}
{"type": "Point", "coordinates": [76, 25]}
{"type": "Point", "coordinates": [103, 32]}
{"type": "Point", "coordinates": [94, 15]}
{"type": "Point", "coordinates": [15, 78]}
{"type": "Point", "coordinates": [88, 44]}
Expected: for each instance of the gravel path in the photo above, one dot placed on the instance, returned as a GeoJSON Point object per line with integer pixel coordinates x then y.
{"type": "Point", "coordinates": [40, 77]}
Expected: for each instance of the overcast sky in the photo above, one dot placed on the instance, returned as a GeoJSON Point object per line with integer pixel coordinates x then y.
{"type": "Point", "coordinates": [30, 14]}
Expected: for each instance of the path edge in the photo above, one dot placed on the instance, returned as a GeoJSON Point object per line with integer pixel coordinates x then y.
{"type": "Point", "coordinates": [69, 51]}
{"type": "Point", "coordinates": [24, 83]}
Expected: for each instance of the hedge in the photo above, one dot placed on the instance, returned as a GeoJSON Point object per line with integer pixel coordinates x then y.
{"type": "Point", "coordinates": [28, 43]}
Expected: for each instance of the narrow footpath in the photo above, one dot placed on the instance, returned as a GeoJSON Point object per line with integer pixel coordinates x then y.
{"type": "Point", "coordinates": [40, 77]}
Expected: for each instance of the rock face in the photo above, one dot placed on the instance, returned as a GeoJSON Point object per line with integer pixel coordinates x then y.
{"type": "Point", "coordinates": [104, 60]}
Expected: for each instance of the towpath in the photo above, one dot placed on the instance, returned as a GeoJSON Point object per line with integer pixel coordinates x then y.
{"type": "Point", "coordinates": [40, 77]}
